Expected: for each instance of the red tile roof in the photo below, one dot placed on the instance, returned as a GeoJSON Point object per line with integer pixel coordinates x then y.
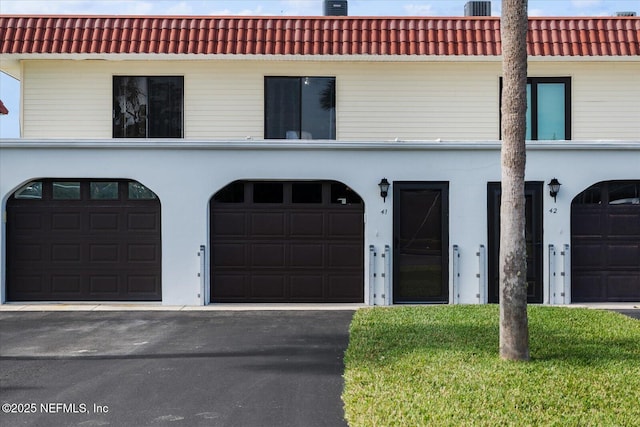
{"type": "Point", "coordinates": [586, 36]}
{"type": "Point", "coordinates": [3, 109]}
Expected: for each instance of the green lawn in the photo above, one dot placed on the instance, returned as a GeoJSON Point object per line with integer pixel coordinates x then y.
{"type": "Point", "coordinates": [439, 365]}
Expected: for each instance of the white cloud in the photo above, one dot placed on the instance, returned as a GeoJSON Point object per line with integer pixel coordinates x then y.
{"type": "Point", "coordinates": [128, 7]}
{"type": "Point", "coordinates": [244, 12]}
{"type": "Point", "coordinates": [29, 6]}
{"type": "Point", "coordinates": [582, 4]}
{"type": "Point", "coordinates": [537, 12]}
{"type": "Point", "coordinates": [301, 7]}
{"type": "Point", "coordinates": [419, 9]}
{"type": "Point", "coordinates": [180, 8]}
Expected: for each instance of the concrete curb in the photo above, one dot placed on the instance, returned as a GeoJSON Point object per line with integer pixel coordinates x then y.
{"type": "Point", "coordinates": [12, 307]}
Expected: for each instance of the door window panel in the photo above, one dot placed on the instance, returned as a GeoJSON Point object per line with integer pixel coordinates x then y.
{"type": "Point", "coordinates": [66, 190]}
{"type": "Point", "coordinates": [103, 190]}
{"type": "Point", "coordinates": [624, 193]}
{"type": "Point", "coordinates": [32, 190]}
{"type": "Point", "coordinates": [268, 192]}
{"type": "Point", "coordinates": [137, 191]}
{"type": "Point", "coordinates": [341, 194]}
{"type": "Point", "coordinates": [306, 192]}
{"type": "Point", "coordinates": [232, 193]}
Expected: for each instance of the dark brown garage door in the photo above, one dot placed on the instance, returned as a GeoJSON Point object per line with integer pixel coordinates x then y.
{"type": "Point", "coordinates": [605, 237]}
{"type": "Point", "coordinates": [83, 240]}
{"type": "Point", "coordinates": [287, 242]}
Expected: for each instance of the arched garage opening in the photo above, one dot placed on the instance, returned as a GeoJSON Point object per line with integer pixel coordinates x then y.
{"type": "Point", "coordinates": [287, 241]}
{"type": "Point", "coordinates": [605, 237]}
{"type": "Point", "coordinates": [83, 240]}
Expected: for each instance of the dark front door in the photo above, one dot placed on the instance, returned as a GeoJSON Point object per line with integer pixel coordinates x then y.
{"type": "Point", "coordinates": [421, 241]}
{"type": "Point", "coordinates": [533, 236]}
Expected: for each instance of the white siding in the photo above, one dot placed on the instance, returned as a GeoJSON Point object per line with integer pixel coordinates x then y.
{"type": "Point", "coordinates": [419, 102]}
{"type": "Point", "coordinates": [66, 99]}
{"type": "Point", "coordinates": [605, 97]}
{"type": "Point", "coordinates": [375, 100]}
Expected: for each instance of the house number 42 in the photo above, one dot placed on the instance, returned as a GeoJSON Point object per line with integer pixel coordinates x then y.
{"type": "Point", "coordinates": [553, 210]}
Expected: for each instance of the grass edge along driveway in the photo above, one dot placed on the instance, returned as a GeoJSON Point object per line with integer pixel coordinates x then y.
{"type": "Point", "coordinates": [439, 365]}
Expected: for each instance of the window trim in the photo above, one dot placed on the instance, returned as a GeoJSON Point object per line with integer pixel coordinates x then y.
{"type": "Point", "coordinates": [533, 83]}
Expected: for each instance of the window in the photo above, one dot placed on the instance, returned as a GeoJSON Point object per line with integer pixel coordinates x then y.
{"type": "Point", "coordinates": [548, 108]}
{"type": "Point", "coordinates": [147, 107]}
{"type": "Point", "coordinates": [306, 192]}
{"type": "Point", "coordinates": [268, 192]}
{"type": "Point", "coordinates": [66, 190]}
{"type": "Point", "coordinates": [300, 108]}
{"type": "Point", "coordinates": [137, 191]}
{"type": "Point", "coordinates": [341, 194]}
{"type": "Point", "coordinates": [232, 193]}
{"type": "Point", "coordinates": [611, 192]}
{"type": "Point", "coordinates": [624, 193]}
{"type": "Point", "coordinates": [32, 190]}
{"type": "Point", "coordinates": [103, 190]}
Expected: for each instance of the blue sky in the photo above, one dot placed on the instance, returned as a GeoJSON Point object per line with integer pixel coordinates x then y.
{"type": "Point", "coordinates": [10, 88]}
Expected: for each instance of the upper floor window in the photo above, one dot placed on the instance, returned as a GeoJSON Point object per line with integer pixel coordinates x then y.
{"type": "Point", "coordinates": [148, 107]}
{"type": "Point", "coordinates": [548, 108]}
{"type": "Point", "coordinates": [300, 108]}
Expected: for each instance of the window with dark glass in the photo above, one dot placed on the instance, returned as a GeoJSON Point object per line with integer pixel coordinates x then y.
{"type": "Point", "coordinates": [624, 193]}
{"type": "Point", "coordinates": [66, 190]}
{"type": "Point", "coordinates": [610, 192]}
{"type": "Point", "coordinates": [32, 191]}
{"type": "Point", "coordinates": [306, 192]}
{"type": "Point", "coordinates": [104, 190]}
{"type": "Point", "coordinates": [341, 194]}
{"type": "Point", "coordinates": [148, 107]}
{"type": "Point", "coordinates": [232, 193]}
{"type": "Point", "coordinates": [548, 108]}
{"type": "Point", "coordinates": [268, 192]}
{"type": "Point", "coordinates": [300, 108]}
{"type": "Point", "coordinates": [137, 191]}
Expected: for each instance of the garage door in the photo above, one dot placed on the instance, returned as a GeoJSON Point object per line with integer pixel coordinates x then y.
{"type": "Point", "coordinates": [83, 240]}
{"type": "Point", "coordinates": [605, 237]}
{"type": "Point", "coordinates": [287, 242]}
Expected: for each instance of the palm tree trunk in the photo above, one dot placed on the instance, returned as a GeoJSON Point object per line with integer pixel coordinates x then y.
{"type": "Point", "coordinates": [514, 329]}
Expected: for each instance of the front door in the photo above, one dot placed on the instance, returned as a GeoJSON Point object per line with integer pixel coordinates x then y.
{"type": "Point", "coordinates": [533, 236]}
{"type": "Point", "coordinates": [421, 241]}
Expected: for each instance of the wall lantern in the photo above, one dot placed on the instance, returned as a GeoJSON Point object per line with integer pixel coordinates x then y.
{"type": "Point", "coordinates": [554, 188]}
{"type": "Point", "coordinates": [384, 188]}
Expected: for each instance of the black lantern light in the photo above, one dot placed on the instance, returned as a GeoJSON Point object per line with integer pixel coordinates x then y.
{"type": "Point", "coordinates": [554, 188]}
{"type": "Point", "coordinates": [384, 188]}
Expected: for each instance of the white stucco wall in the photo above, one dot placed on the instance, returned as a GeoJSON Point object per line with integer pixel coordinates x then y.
{"type": "Point", "coordinates": [185, 174]}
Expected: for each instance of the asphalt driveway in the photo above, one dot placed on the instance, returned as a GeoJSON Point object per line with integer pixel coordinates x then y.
{"type": "Point", "coordinates": [632, 312]}
{"type": "Point", "coordinates": [252, 368]}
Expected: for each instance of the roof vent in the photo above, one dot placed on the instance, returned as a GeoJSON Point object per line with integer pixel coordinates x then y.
{"type": "Point", "coordinates": [477, 8]}
{"type": "Point", "coordinates": [335, 8]}
{"type": "Point", "coordinates": [625, 14]}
